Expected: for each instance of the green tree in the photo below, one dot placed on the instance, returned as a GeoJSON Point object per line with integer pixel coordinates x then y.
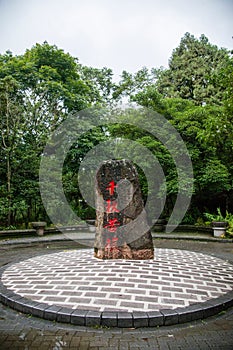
{"type": "Point", "coordinates": [192, 68]}
{"type": "Point", "coordinates": [12, 125]}
{"type": "Point", "coordinates": [132, 84]}
{"type": "Point", "coordinates": [206, 131]}
{"type": "Point", "coordinates": [100, 83]}
{"type": "Point", "coordinates": [38, 90]}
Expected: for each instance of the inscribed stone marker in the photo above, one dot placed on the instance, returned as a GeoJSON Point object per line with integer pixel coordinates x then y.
{"type": "Point", "coordinates": [122, 231]}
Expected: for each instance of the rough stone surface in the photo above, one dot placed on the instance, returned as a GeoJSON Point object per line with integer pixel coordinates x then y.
{"type": "Point", "coordinates": [122, 231]}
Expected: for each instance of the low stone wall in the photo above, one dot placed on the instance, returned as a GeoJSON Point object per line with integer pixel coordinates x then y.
{"type": "Point", "coordinates": [194, 228]}
{"type": "Point", "coordinates": [184, 228]}
{"type": "Point", "coordinates": [49, 230]}
{"type": "Point", "coordinates": [85, 227]}
{"type": "Point", "coordinates": [17, 232]}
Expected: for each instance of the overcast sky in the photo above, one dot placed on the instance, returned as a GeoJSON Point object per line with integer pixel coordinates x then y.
{"type": "Point", "coordinates": [118, 34]}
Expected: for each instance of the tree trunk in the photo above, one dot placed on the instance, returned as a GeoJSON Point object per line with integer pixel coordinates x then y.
{"type": "Point", "coordinates": [9, 216]}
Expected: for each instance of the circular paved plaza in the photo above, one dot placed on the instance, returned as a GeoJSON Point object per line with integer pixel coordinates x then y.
{"type": "Point", "coordinates": [73, 286]}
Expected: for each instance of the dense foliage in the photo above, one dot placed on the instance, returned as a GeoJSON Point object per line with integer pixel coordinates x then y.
{"type": "Point", "coordinates": [39, 89]}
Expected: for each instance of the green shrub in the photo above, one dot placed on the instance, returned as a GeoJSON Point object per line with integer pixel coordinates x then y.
{"type": "Point", "coordinates": [215, 217]}
{"type": "Point", "coordinates": [229, 219]}
{"type": "Point", "coordinates": [219, 217]}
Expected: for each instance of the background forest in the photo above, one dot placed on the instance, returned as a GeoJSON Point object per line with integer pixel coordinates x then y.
{"type": "Point", "coordinates": [41, 87]}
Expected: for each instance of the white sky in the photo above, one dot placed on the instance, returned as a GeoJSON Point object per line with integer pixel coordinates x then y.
{"type": "Point", "coordinates": [118, 34]}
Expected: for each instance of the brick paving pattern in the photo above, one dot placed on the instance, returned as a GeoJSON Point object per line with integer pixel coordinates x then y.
{"type": "Point", "coordinates": [23, 332]}
{"type": "Point", "coordinates": [75, 279]}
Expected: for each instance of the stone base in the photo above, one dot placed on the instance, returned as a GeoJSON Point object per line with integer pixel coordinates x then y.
{"type": "Point", "coordinates": [124, 253]}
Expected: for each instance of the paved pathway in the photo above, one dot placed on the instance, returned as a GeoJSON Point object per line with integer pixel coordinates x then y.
{"type": "Point", "coordinates": [76, 280]}
{"type": "Point", "coordinates": [18, 331]}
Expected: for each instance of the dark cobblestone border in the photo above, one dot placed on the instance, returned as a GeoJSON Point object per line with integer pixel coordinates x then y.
{"type": "Point", "coordinates": [121, 319]}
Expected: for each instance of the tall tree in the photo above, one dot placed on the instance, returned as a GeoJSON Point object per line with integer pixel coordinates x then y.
{"type": "Point", "coordinates": [12, 126]}
{"type": "Point", "coordinates": [132, 84]}
{"type": "Point", "coordinates": [192, 68]}
{"type": "Point", "coordinates": [38, 90]}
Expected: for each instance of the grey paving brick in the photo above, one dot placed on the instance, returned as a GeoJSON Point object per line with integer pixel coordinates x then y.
{"type": "Point", "coordinates": [26, 306]}
{"type": "Point", "coordinates": [70, 293]}
{"type": "Point", "coordinates": [93, 318]}
{"type": "Point", "coordinates": [156, 318]}
{"type": "Point", "coordinates": [94, 294]}
{"type": "Point", "coordinates": [103, 283]}
{"type": "Point", "coordinates": [79, 300]}
{"type": "Point", "coordinates": [124, 319]}
{"type": "Point", "coordinates": [135, 305]}
{"type": "Point", "coordinates": [186, 296]}
{"type": "Point", "coordinates": [42, 286]}
{"type": "Point", "coordinates": [64, 315]}
{"type": "Point", "coordinates": [55, 299]}
{"type": "Point", "coordinates": [140, 319]}
{"type": "Point", "coordinates": [138, 280]}
{"type": "Point", "coordinates": [135, 291]}
{"type": "Point", "coordinates": [118, 296]}
{"type": "Point", "coordinates": [51, 312]}
{"type": "Point", "coordinates": [78, 317]}
{"type": "Point", "coordinates": [39, 309]}
{"type": "Point", "coordinates": [211, 308]}
{"type": "Point", "coordinates": [199, 292]}
{"type": "Point", "coordinates": [190, 313]}
{"type": "Point", "coordinates": [88, 288]}
{"type": "Point", "coordinates": [146, 299]}
{"type": "Point", "coordinates": [125, 284]}
{"type": "Point", "coordinates": [170, 317]}
{"type": "Point", "coordinates": [174, 301]}
{"type": "Point", "coordinates": [109, 319]}
{"type": "Point", "coordinates": [105, 302]}
{"type": "Point", "coordinates": [161, 293]}
{"type": "Point", "coordinates": [183, 285]}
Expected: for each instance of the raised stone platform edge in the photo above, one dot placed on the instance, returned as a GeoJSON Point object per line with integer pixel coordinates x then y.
{"type": "Point", "coordinates": [115, 319]}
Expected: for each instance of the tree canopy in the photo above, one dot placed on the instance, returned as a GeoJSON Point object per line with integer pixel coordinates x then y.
{"type": "Point", "coordinates": [41, 87]}
{"type": "Point", "coordinates": [192, 71]}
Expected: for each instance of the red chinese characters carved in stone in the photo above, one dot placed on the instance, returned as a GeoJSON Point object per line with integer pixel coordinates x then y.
{"type": "Point", "coordinates": [111, 248]}
{"type": "Point", "coordinates": [111, 243]}
{"type": "Point", "coordinates": [118, 227]}
{"type": "Point", "coordinates": [112, 225]}
{"type": "Point", "coordinates": [111, 206]}
{"type": "Point", "coordinates": [111, 187]}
